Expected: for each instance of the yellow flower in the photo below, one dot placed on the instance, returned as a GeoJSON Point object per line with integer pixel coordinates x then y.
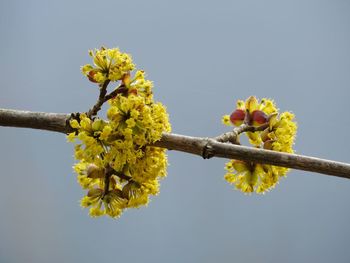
{"type": "Point", "coordinates": [71, 136]}
{"type": "Point", "coordinates": [109, 64]}
{"type": "Point", "coordinates": [74, 124]}
{"type": "Point", "coordinates": [226, 120]}
{"type": "Point", "coordinates": [107, 130]}
{"type": "Point", "coordinates": [96, 211]}
{"type": "Point", "coordinates": [268, 106]}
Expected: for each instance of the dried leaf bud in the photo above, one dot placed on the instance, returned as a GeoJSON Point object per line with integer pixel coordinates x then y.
{"type": "Point", "coordinates": [268, 144]}
{"type": "Point", "coordinates": [129, 189]}
{"type": "Point", "coordinates": [126, 79]}
{"type": "Point", "coordinates": [133, 91]}
{"type": "Point", "coordinates": [93, 171]}
{"type": "Point", "coordinates": [95, 192]}
{"type": "Point", "coordinates": [240, 166]}
{"type": "Point", "coordinates": [265, 135]}
{"type": "Point", "coordinates": [117, 194]}
{"type": "Point", "coordinates": [237, 117]}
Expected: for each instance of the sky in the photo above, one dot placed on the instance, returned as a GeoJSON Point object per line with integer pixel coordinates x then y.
{"type": "Point", "coordinates": [202, 56]}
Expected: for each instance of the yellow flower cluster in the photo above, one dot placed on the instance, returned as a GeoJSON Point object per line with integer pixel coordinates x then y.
{"type": "Point", "coordinates": [115, 164]}
{"type": "Point", "coordinates": [109, 64]}
{"type": "Point", "coordinates": [277, 133]}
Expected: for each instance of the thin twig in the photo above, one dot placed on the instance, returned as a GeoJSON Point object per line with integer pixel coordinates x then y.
{"type": "Point", "coordinates": [205, 147]}
{"type": "Point", "coordinates": [120, 90]}
{"type": "Point", "coordinates": [101, 99]}
{"type": "Point", "coordinates": [232, 136]}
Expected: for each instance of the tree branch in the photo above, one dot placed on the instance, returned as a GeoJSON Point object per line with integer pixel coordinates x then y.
{"type": "Point", "coordinates": [232, 136]}
{"type": "Point", "coordinates": [36, 120]}
{"type": "Point", "coordinates": [205, 147]}
{"type": "Point", "coordinates": [101, 99]}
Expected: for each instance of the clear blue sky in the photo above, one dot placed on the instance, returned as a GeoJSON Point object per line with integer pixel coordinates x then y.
{"type": "Point", "coordinates": [202, 57]}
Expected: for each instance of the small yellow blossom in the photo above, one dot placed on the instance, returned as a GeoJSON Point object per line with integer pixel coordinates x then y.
{"type": "Point", "coordinates": [71, 137]}
{"type": "Point", "coordinates": [226, 120]}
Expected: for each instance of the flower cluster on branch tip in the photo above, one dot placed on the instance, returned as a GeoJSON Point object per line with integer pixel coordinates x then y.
{"type": "Point", "coordinates": [116, 166]}
{"type": "Point", "coordinates": [265, 128]}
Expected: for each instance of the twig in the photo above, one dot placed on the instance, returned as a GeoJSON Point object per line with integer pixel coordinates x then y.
{"type": "Point", "coordinates": [121, 89]}
{"type": "Point", "coordinates": [232, 136]}
{"type": "Point", "coordinates": [205, 147]}
{"type": "Point", "coordinates": [101, 99]}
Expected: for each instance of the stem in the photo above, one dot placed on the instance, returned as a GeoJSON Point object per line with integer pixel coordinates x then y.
{"type": "Point", "coordinates": [101, 99]}
{"type": "Point", "coordinates": [232, 136]}
{"type": "Point", "coordinates": [205, 147]}
{"type": "Point", "coordinates": [121, 89]}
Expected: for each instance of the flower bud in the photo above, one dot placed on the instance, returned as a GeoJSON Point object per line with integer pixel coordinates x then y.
{"type": "Point", "coordinates": [97, 125]}
{"type": "Point", "coordinates": [237, 117]}
{"type": "Point", "coordinates": [268, 144]}
{"type": "Point", "coordinates": [95, 192]}
{"type": "Point", "coordinates": [258, 118]}
{"type": "Point", "coordinates": [91, 76]}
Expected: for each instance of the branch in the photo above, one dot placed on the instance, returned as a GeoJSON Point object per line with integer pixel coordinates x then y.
{"type": "Point", "coordinates": [232, 136]}
{"type": "Point", "coordinates": [205, 147]}
{"type": "Point", "coordinates": [101, 99]}
{"type": "Point", "coordinates": [57, 122]}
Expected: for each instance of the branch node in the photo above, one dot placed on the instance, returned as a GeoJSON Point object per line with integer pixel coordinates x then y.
{"type": "Point", "coordinates": [208, 150]}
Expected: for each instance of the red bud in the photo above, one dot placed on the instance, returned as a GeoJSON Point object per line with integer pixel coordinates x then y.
{"type": "Point", "coordinates": [237, 117]}
{"type": "Point", "coordinates": [258, 118]}
{"type": "Point", "coordinates": [91, 76]}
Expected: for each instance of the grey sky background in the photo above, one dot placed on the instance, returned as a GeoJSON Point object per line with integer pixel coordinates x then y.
{"type": "Point", "coordinates": [202, 57]}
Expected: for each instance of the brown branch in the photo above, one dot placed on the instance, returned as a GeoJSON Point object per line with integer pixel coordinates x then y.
{"type": "Point", "coordinates": [120, 90]}
{"type": "Point", "coordinates": [36, 120]}
{"type": "Point", "coordinates": [101, 99]}
{"type": "Point", "coordinates": [232, 136]}
{"type": "Point", "coordinates": [205, 147]}
{"type": "Point", "coordinates": [209, 148]}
